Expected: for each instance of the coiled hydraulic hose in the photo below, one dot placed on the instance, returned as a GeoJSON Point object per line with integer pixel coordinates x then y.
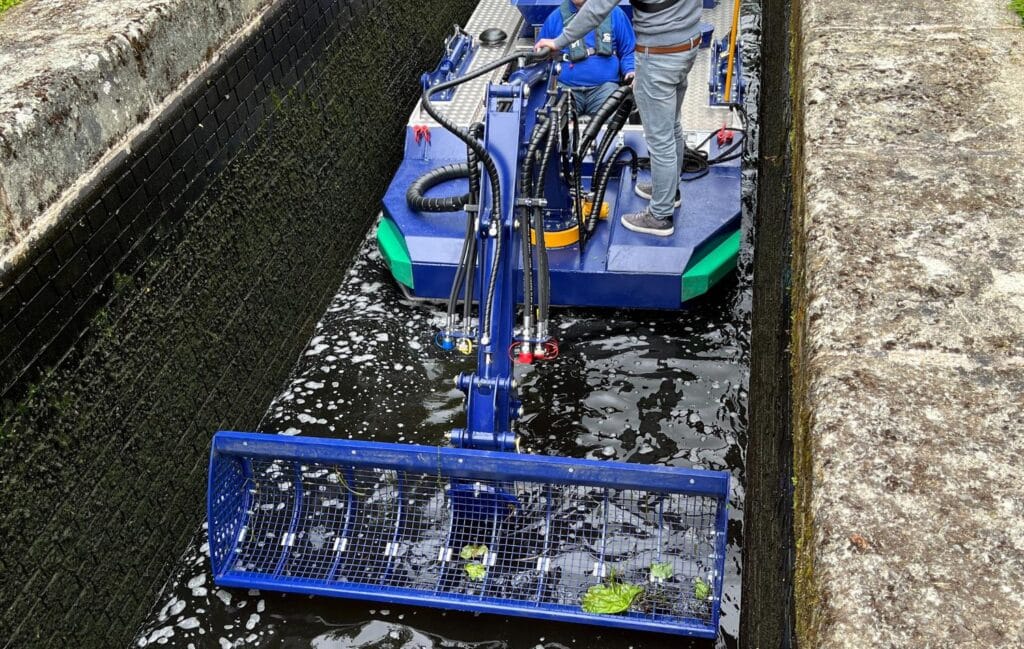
{"type": "Point", "coordinates": [415, 196]}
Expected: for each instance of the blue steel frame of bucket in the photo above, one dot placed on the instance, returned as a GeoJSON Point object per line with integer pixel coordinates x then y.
{"type": "Point", "coordinates": [234, 452]}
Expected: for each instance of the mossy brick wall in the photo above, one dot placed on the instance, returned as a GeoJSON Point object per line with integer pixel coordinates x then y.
{"type": "Point", "coordinates": [769, 593]}
{"type": "Point", "coordinates": [172, 301]}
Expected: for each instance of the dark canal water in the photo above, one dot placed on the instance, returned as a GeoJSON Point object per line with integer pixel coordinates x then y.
{"type": "Point", "coordinates": [645, 387]}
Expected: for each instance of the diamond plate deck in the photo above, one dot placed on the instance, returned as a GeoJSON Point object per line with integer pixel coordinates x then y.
{"type": "Point", "coordinates": [466, 105]}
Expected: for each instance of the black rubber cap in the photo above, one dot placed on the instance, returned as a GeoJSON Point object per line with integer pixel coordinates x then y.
{"type": "Point", "coordinates": [493, 36]}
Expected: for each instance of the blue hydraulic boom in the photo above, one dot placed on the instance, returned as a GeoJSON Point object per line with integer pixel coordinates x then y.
{"type": "Point", "coordinates": [478, 526]}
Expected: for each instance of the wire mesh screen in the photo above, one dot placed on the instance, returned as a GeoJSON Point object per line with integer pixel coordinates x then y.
{"type": "Point", "coordinates": [425, 526]}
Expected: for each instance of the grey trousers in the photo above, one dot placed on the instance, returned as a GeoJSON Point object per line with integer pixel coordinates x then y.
{"type": "Point", "coordinates": [659, 90]}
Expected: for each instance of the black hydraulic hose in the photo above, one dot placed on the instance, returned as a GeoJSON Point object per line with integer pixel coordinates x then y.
{"type": "Point", "coordinates": [460, 270]}
{"type": "Point", "coordinates": [566, 153]}
{"type": "Point", "coordinates": [634, 159]}
{"type": "Point", "coordinates": [463, 270]}
{"type": "Point", "coordinates": [540, 131]}
{"type": "Point", "coordinates": [602, 167]}
{"type": "Point", "coordinates": [577, 170]}
{"type": "Point", "coordinates": [475, 130]}
{"type": "Point", "coordinates": [607, 109]}
{"type": "Point", "coordinates": [543, 276]}
{"type": "Point", "coordinates": [601, 170]}
{"type": "Point", "coordinates": [485, 158]}
{"type": "Point", "coordinates": [415, 196]}
{"type": "Point", "coordinates": [598, 187]}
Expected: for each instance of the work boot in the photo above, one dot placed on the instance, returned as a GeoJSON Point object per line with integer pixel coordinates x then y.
{"type": "Point", "coordinates": [645, 223]}
{"type": "Point", "coordinates": [643, 190]}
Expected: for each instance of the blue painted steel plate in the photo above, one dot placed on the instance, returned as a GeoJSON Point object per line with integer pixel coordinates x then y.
{"type": "Point", "coordinates": [619, 268]}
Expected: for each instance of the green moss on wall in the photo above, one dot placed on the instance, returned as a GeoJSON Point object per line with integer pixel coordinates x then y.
{"type": "Point", "coordinates": [103, 463]}
{"type": "Point", "coordinates": [1018, 6]}
{"type": "Point", "coordinates": [7, 4]}
{"type": "Point", "coordinates": [806, 590]}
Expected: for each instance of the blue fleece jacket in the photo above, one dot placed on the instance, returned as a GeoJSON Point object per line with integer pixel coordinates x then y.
{"type": "Point", "coordinates": [595, 69]}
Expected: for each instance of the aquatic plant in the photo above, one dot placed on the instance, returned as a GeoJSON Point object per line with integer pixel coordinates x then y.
{"type": "Point", "coordinates": [613, 597]}
{"type": "Point", "coordinates": [661, 570]}
{"type": "Point", "coordinates": [476, 571]}
{"type": "Point", "coordinates": [701, 589]}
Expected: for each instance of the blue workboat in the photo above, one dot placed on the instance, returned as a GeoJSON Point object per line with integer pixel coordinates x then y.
{"type": "Point", "coordinates": [507, 202]}
{"type": "Point", "coordinates": [609, 266]}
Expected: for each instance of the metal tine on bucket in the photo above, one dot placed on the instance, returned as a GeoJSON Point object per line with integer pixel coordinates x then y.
{"type": "Point", "coordinates": [468, 530]}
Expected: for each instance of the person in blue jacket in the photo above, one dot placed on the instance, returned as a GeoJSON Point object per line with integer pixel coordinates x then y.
{"type": "Point", "coordinates": [593, 65]}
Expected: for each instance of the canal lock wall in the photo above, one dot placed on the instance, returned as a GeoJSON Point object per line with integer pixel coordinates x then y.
{"type": "Point", "coordinates": [162, 267]}
{"type": "Point", "coordinates": [907, 327]}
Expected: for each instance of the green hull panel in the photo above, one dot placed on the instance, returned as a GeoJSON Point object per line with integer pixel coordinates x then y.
{"type": "Point", "coordinates": [719, 262]}
{"type": "Point", "coordinates": [396, 255]}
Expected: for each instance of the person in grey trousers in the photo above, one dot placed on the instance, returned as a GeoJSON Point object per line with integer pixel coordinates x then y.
{"type": "Point", "coordinates": [667, 38]}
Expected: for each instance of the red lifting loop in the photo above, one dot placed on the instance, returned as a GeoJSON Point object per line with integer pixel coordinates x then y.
{"type": "Point", "coordinates": [724, 136]}
{"type": "Point", "coordinates": [421, 132]}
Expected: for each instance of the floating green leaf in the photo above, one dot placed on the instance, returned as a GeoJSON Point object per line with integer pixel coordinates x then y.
{"type": "Point", "coordinates": [701, 589]}
{"type": "Point", "coordinates": [661, 570]}
{"type": "Point", "coordinates": [610, 598]}
{"type": "Point", "coordinates": [476, 571]}
{"type": "Point", "coordinates": [473, 551]}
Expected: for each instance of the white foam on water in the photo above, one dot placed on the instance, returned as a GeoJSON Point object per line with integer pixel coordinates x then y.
{"type": "Point", "coordinates": [316, 349]}
{"type": "Point", "coordinates": [163, 633]}
{"type": "Point", "coordinates": [176, 608]}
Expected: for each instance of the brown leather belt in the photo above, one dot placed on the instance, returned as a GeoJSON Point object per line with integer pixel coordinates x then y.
{"type": "Point", "coordinates": [670, 49]}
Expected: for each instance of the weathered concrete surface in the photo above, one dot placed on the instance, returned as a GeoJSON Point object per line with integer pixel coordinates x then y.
{"type": "Point", "coordinates": [909, 324]}
{"type": "Point", "coordinates": [77, 75]}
